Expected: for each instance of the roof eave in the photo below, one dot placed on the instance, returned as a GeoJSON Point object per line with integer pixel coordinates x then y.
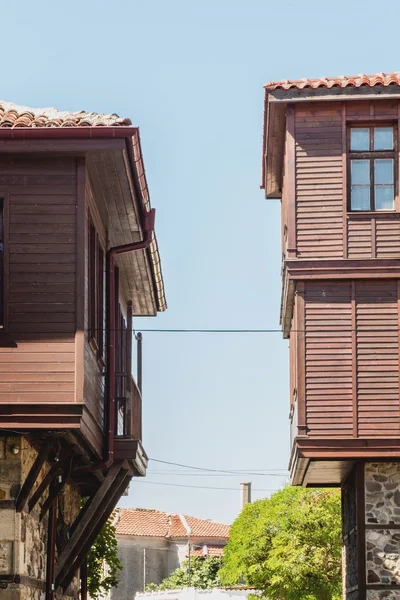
{"type": "Point", "coordinates": [309, 94]}
{"type": "Point", "coordinates": [95, 135]}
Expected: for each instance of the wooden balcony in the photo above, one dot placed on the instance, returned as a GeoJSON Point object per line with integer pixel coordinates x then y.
{"type": "Point", "coordinates": [128, 437]}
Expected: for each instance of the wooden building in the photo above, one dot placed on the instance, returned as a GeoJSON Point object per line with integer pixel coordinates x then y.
{"type": "Point", "coordinates": [79, 261]}
{"type": "Point", "coordinates": [331, 154]}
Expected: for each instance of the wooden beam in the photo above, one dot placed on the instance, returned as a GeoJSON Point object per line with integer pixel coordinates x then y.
{"type": "Point", "coordinates": [301, 359]}
{"type": "Point", "coordinates": [93, 513]}
{"type": "Point", "coordinates": [354, 359]}
{"type": "Point", "coordinates": [56, 469]}
{"type": "Point", "coordinates": [102, 516]}
{"type": "Point", "coordinates": [54, 490]}
{"type": "Point", "coordinates": [76, 147]}
{"type": "Point", "coordinates": [33, 475]}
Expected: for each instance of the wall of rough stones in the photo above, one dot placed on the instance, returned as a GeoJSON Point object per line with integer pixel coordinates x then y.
{"type": "Point", "coordinates": [382, 507]}
{"type": "Point", "coordinates": [23, 539]}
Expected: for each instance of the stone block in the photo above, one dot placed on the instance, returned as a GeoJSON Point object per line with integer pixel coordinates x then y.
{"type": "Point", "coordinates": [6, 558]}
{"type": "Point", "coordinates": [7, 524]}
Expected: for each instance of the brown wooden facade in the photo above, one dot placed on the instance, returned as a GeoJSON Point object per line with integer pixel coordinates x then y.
{"type": "Point", "coordinates": [341, 280]}
{"type": "Point", "coordinates": [69, 199]}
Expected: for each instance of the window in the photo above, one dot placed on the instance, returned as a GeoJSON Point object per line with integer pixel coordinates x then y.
{"type": "Point", "coordinates": [372, 168]}
{"type": "Point", "coordinates": [96, 291]}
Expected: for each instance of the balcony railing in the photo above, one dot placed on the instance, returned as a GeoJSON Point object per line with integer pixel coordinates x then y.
{"type": "Point", "coordinates": [129, 413]}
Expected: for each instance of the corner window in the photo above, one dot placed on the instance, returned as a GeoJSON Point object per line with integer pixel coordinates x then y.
{"type": "Point", "coordinates": [372, 168]}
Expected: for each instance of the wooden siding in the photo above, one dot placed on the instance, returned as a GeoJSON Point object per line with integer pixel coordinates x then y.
{"type": "Point", "coordinates": [328, 357]}
{"type": "Point", "coordinates": [319, 180]}
{"type": "Point", "coordinates": [351, 364]}
{"type": "Point", "coordinates": [388, 236]}
{"type": "Point", "coordinates": [359, 237]}
{"type": "Point", "coordinates": [373, 235]}
{"type": "Point", "coordinates": [377, 358]}
{"type": "Point", "coordinates": [40, 270]}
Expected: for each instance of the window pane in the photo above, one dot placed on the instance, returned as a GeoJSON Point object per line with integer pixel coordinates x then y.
{"type": "Point", "coordinates": [360, 172]}
{"type": "Point", "coordinates": [384, 197]}
{"type": "Point", "coordinates": [383, 138]}
{"type": "Point", "coordinates": [383, 170]}
{"type": "Point", "coordinates": [359, 138]}
{"type": "Point", "coordinates": [360, 197]}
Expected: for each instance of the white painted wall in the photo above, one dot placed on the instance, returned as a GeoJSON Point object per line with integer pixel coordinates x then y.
{"type": "Point", "coordinates": [193, 594]}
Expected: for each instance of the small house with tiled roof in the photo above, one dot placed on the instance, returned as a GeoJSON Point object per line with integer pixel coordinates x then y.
{"type": "Point", "coordinates": [152, 544]}
{"type": "Point", "coordinates": [79, 261]}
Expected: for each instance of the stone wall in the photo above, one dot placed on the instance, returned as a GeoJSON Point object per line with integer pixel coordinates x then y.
{"type": "Point", "coordinates": [382, 507]}
{"type": "Point", "coordinates": [23, 539]}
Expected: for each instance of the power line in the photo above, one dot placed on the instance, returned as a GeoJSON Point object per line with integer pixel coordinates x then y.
{"type": "Point", "coordinates": [201, 487]}
{"type": "Point", "coordinates": [229, 471]}
{"type": "Point", "coordinates": [188, 474]}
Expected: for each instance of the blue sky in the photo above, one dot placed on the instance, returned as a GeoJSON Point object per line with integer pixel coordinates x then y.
{"type": "Point", "coordinates": [190, 74]}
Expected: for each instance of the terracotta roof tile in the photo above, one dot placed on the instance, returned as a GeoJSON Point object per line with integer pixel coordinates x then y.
{"type": "Point", "coordinates": [12, 115]}
{"type": "Point", "coordinates": [384, 79]}
{"type": "Point", "coordinates": [204, 528]}
{"type": "Point", "coordinates": [146, 522]}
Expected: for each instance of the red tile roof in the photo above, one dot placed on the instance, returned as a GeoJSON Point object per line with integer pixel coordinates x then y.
{"type": "Point", "coordinates": [384, 79]}
{"type": "Point", "coordinates": [208, 550]}
{"type": "Point", "coordinates": [154, 523]}
{"type": "Point", "coordinates": [144, 522]}
{"type": "Point", "coordinates": [204, 528]}
{"type": "Point", "coordinates": [12, 115]}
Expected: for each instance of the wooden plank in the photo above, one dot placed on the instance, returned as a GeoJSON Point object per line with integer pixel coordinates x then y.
{"type": "Point", "coordinates": [33, 474]}
{"type": "Point", "coordinates": [301, 359]}
{"type": "Point", "coordinates": [90, 518]}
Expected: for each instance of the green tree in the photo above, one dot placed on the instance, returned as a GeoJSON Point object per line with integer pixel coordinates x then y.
{"type": "Point", "coordinates": [103, 564]}
{"type": "Point", "coordinates": [203, 575]}
{"type": "Point", "coordinates": [288, 546]}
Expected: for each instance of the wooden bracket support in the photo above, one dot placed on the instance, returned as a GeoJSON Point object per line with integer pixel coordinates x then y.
{"type": "Point", "coordinates": [33, 474]}
{"type": "Point", "coordinates": [96, 512]}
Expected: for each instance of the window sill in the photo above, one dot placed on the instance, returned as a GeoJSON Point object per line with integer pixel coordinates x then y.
{"type": "Point", "coordinates": [371, 213]}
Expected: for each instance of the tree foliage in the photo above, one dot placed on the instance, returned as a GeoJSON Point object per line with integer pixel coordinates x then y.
{"type": "Point", "coordinates": [203, 575]}
{"type": "Point", "coordinates": [103, 564]}
{"type": "Point", "coordinates": [288, 546]}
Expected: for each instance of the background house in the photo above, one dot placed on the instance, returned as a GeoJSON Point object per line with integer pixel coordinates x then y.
{"type": "Point", "coordinates": [152, 544]}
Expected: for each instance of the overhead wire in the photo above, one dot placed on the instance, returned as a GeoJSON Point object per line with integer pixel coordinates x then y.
{"type": "Point", "coordinates": [196, 468]}
{"type": "Point", "coordinates": [200, 487]}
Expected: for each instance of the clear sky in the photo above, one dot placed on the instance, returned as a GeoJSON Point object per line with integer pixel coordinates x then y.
{"type": "Point", "coordinates": [190, 74]}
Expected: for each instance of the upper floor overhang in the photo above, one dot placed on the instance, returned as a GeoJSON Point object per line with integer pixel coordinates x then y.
{"type": "Point", "coordinates": [114, 164]}
{"type": "Point", "coordinates": [279, 94]}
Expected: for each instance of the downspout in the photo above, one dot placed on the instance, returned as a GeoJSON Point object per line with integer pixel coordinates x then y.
{"type": "Point", "coordinates": [148, 230]}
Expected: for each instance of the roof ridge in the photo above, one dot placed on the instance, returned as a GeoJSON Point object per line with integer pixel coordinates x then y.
{"type": "Point", "coordinates": [342, 81]}
{"type": "Point", "coordinates": [15, 115]}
